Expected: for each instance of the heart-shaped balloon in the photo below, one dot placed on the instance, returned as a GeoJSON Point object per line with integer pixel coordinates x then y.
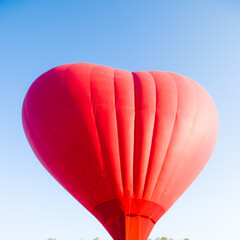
{"type": "Point", "coordinates": [125, 145]}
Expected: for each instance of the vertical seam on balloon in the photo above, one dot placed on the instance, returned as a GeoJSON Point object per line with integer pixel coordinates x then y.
{"type": "Point", "coordinates": [153, 131]}
{"type": "Point", "coordinates": [120, 162]}
{"type": "Point", "coordinates": [132, 177]}
{"type": "Point", "coordinates": [193, 122]}
{"type": "Point", "coordinates": [94, 118]}
{"type": "Point", "coordinates": [170, 139]}
{"type": "Point", "coordinates": [134, 141]}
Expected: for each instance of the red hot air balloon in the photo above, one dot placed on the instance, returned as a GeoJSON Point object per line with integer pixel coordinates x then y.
{"type": "Point", "coordinates": [125, 145]}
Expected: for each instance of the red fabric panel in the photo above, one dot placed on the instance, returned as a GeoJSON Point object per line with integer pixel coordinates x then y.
{"type": "Point", "coordinates": [125, 114]}
{"type": "Point", "coordinates": [145, 108]}
{"type": "Point", "coordinates": [166, 105]}
{"type": "Point", "coordinates": [125, 145]}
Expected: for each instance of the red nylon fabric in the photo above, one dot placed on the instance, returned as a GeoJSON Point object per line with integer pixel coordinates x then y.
{"type": "Point", "coordinates": [125, 145]}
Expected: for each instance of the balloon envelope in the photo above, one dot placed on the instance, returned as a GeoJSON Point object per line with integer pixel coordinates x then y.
{"type": "Point", "coordinates": [125, 145]}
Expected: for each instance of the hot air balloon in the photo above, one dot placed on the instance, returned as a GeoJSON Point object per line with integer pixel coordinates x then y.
{"type": "Point", "coordinates": [125, 145]}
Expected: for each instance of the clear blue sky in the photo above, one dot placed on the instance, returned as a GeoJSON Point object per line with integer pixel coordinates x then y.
{"type": "Point", "coordinates": [199, 39]}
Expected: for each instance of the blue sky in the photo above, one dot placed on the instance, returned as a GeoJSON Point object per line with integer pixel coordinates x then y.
{"type": "Point", "coordinates": [199, 39]}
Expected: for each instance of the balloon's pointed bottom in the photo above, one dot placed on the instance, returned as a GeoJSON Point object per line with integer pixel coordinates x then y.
{"type": "Point", "coordinates": [132, 228]}
{"type": "Point", "coordinates": [133, 221]}
{"type": "Point", "coordinates": [137, 227]}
